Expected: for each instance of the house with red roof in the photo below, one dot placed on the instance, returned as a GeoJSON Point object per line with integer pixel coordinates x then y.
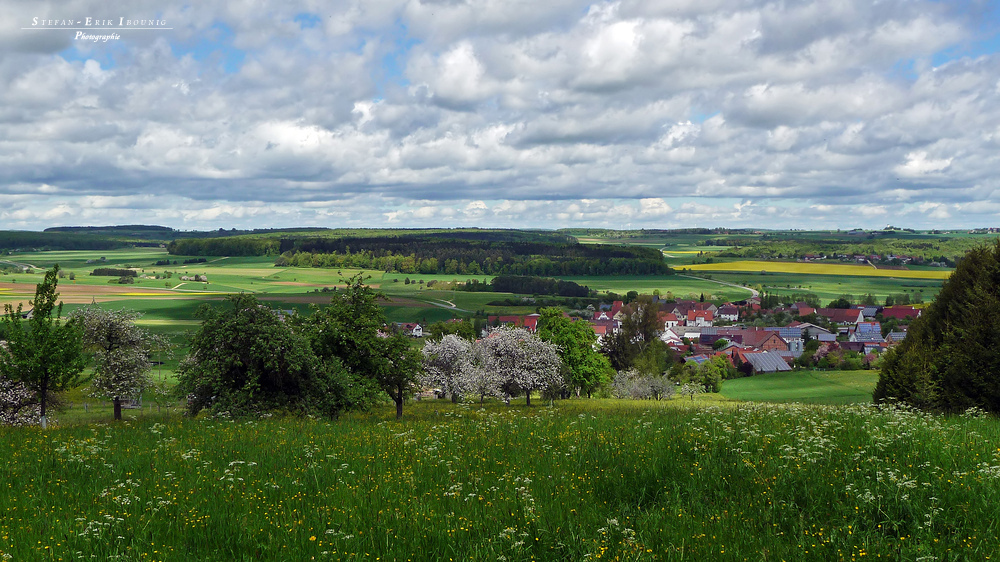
{"type": "Point", "coordinates": [763, 340]}
{"type": "Point", "coordinates": [699, 318]}
{"type": "Point", "coordinates": [529, 322]}
{"type": "Point", "coordinates": [842, 316]}
{"type": "Point", "coordinates": [669, 320]}
{"type": "Point", "coordinates": [901, 312]}
{"type": "Point", "coordinates": [802, 309]}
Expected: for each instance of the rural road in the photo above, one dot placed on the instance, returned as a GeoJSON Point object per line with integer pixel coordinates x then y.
{"type": "Point", "coordinates": [754, 292]}
{"type": "Point", "coordinates": [19, 264]}
{"type": "Point", "coordinates": [446, 304]}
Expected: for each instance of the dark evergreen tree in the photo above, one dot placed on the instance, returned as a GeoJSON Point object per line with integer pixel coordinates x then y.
{"type": "Point", "coordinates": [950, 359]}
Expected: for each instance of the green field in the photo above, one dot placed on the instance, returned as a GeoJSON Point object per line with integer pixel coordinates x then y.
{"type": "Point", "coordinates": [809, 387]}
{"type": "Point", "coordinates": [821, 269]}
{"type": "Point", "coordinates": [585, 479]}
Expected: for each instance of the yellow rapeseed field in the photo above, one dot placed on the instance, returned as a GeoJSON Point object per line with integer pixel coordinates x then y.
{"type": "Point", "coordinates": [818, 269]}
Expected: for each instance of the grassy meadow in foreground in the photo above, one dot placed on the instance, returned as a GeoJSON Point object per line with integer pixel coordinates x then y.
{"type": "Point", "coordinates": [580, 480]}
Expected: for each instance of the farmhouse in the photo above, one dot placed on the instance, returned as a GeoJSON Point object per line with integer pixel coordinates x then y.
{"type": "Point", "coordinates": [866, 332]}
{"type": "Point", "coordinates": [529, 322]}
{"type": "Point", "coordinates": [669, 320]}
{"type": "Point", "coordinates": [699, 318]}
{"type": "Point", "coordinates": [812, 331]}
{"type": "Point", "coordinates": [729, 313]}
{"type": "Point", "coordinates": [411, 329]}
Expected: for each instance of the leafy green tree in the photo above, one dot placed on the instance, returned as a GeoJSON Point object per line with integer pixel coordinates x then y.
{"type": "Point", "coordinates": [654, 359]}
{"type": "Point", "coordinates": [245, 359]}
{"type": "Point", "coordinates": [121, 353]}
{"type": "Point", "coordinates": [350, 330]}
{"type": "Point", "coordinates": [464, 329]}
{"type": "Point", "coordinates": [621, 352]}
{"type": "Point", "coordinates": [950, 359]}
{"type": "Point", "coordinates": [586, 369]}
{"type": "Point", "coordinates": [401, 370]}
{"type": "Point", "coordinates": [639, 338]}
{"type": "Point", "coordinates": [43, 353]}
{"type": "Point", "coordinates": [842, 302]}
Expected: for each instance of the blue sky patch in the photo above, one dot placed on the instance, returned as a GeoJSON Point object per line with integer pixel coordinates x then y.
{"type": "Point", "coordinates": [215, 46]}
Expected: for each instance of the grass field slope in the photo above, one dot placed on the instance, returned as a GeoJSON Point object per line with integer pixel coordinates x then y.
{"type": "Point", "coordinates": [583, 480]}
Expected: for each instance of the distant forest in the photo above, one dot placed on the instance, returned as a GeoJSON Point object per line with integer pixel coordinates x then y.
{"type": "Point", "coordinates": [114, 237]}
{"type": "Point", "coordinates": [464, 256]}
{"type": "Point", "coordinates": [503, 252]}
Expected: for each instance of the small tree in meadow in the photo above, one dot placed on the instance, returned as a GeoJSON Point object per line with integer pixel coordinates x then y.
{"type": "Point", "coordinates": [121, 353]}
{"type": "Point", "coordinates": [691, 389]}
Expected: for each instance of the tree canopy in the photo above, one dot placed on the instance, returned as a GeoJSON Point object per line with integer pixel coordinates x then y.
{"type": "Point", "coordinates": [950, 359]}
{"type": "Point", "coordinates": [245, 359]}
{"type": "Point", "coordinates": [350, 330]}
{"type": "Point", "coordinates": [585, 368]}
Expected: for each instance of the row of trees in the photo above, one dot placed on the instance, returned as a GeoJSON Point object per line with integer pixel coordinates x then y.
{"type": "Point", "coordinates": [793, 246]}
{"type": "Point", "coordinates": [498, 262]}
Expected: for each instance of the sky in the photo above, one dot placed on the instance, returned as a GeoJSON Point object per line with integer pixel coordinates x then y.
{"type": "Point", "coordinates": [514, 114]}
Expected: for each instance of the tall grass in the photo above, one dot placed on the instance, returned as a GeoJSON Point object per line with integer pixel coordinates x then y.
{"type": "Point", "coordinates": [581, 480]}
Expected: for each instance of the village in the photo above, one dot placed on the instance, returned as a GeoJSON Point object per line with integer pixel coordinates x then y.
{"type": "Point", "coordinates": [696, 330]}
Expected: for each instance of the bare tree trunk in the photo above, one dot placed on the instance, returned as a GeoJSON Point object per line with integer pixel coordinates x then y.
{"type": "Point", "coordinates": [399, 403]}
{"type": "Point", "coordinates": [118, 408]}
{"type": "Point", "coordinates": [527, 395]}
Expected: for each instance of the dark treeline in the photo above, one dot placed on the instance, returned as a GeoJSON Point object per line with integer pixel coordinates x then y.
{"type": "Point", "coordinates": [462, 256]}
{"type": "Point", "coordinates": [529, 285]}
{"type": "Point", "coordinates": [225, 246]}
{"type": "Point", "coordinates": [165, 233]}
{"type": "Point", "coordinates": [42, 241]}
{"type": "Point", "coordinates": [114, 272]}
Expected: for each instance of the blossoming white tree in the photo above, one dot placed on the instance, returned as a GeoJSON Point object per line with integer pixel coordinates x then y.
{"type": "Point", "coordinates": [520, 362]}
{"type": "Point", "coordinates": [121, 353]}
{"type": "Point", "coordinates": [445, 362]}
{"type": "Point", "coordinates": [476, 378]}
{"type": "Point", "coordinates": [17, 404]}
